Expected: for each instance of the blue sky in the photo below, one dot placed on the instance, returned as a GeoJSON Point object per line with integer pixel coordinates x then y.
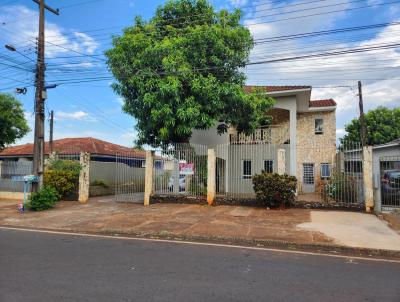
{"type": "Point", "coordinates": [93, 109]}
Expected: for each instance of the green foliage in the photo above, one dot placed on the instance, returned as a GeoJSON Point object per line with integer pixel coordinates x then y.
{"type": "Point", "coordinates": [178, 76]}
{"type": "Point", "coordinates": [63, 175]}
{"type": "Point", "coordinates": [100, 183]}
{"type": "Point", "coordinates": [64, 165]}
{"type": "Point", "coordinates": [44, 199]}
{"type": "Point", "coordinates": [383, 126]}
{"type": "Point", "coordinates": [274, 190]}
{"type": "Point", "coordinates": [13, 124]}
{"type": "Point", "coordinates": [341, 188]}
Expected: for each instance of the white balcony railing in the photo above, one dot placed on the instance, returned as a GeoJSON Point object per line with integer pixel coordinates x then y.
{"type": "Point", "coordinates": [264, 135]}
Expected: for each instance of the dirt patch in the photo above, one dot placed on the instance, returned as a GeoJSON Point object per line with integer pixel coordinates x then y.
{"type": "Point", "coordinates": [393, 220]}
{"type": "Point", "coordinates": [203, 221]}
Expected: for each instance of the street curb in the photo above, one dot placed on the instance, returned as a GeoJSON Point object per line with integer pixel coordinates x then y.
{"type": "Point", "coordinates": [327, 249]}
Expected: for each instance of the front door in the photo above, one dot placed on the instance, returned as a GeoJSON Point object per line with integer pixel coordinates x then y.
{"type": "Point", "coordinates": [308, 185]}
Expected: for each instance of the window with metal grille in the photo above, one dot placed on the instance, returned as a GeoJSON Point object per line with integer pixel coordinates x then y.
{"type": "Point", "coordinates": [269, 166]}
{"type": "Point", "coordinates": [246, 169]}
{"type": "Point", "coordinates": [325, 171]}
{"type": "Point", "coordinates": [319, 126]}
{"type": "Point", "coordinates": [308, 174]}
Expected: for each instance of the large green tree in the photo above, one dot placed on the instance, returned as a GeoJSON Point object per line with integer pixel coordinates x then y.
{"type": "Point", "coordinates": [181, 70]}
{"type": "Point", "coordinates": [13, 124]}
{"type": "Point", "coordinates": [383, 126]}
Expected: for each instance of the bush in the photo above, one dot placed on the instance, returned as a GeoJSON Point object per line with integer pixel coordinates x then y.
{"type": "Point", "coordinates": [274, 190]}
{"type": "Point", "coordinates": [44, 199]}
{"type": "Point", "coordinates": [100, 183]}
{"type": "Point", "coordinates": [63, 175]}
{"type": "Point", "coordinates": [64, 165]}
{"type": "Point", "coordinates": [65, 182]}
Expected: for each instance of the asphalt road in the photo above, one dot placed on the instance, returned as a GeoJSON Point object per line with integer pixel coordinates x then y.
{"type": "Point", "coordinates": [52, 267]}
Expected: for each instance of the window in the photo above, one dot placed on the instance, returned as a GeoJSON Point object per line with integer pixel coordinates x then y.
{"type": "Point", "coordinates": [269, 166]}
{"type": "Point", "coordinates": [325, 171]}
{"type": "Point", "coordinates": [246, 169]}
{"type": "Point", "coordinates": [353, 166]}
{"type": "Point", "coordinates": [319, 126]}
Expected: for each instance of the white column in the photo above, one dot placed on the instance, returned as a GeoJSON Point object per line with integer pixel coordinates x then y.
{"type": "Point", "coordinates": [211, 162]}
{"type": "Point", "coordinates": [148, 180]}
{"type": "Point", "coordinates": [281, 162]}
{"type": "Point", "coordinates": [367, 178]}
{"type": "Point", "coordinates": [293, 142]}
{"type": "Point", "coordinates": [84, 182]}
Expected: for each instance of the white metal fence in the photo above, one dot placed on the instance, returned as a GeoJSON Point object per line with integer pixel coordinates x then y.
{"type": "Point", "coordinates": [236, 164]}
{"type": "Point", "coordinates": [11, 175]}
{"type": "Point", "coordinates": [129, 177]}
{"type": "Point", "coordinates": [180, 169]}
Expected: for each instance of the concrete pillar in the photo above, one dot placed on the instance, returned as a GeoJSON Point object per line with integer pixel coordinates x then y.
{"type": "Point", "coordinates": [367, 179]}
{"type": "Point", "coordinates": [211, 167]}
{"type": "Point", "coordinates": [84, 177]}
{"type": "Point", "coordinates": [293, 142]}
{"type": "Point", "coordinates": [175, 188]}
{"type": "Point", "coordinates": [148, 181]}
{"type": "Point", "coordinates": [281, 162]}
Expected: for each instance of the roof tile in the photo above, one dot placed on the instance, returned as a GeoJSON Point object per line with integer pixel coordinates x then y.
{"type": "Point", "coordinates": [74, 146]}
{"type": "Point", "coordinates": [322, 103]}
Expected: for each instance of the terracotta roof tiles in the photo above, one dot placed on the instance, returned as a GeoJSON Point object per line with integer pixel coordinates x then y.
{"type": "Point", "coordinates": [322, 103]}
{"type": "Point", "coordinates": [74, 146]}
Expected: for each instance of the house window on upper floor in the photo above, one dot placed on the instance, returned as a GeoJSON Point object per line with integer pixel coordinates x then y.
{"type": "Point", "coordinates": [269, 166]}
{"type": "Point", "coordinates": [319, 126]}
{"type": "Point", "coordinates": [246, 172]}
{"type": "Point", "coordinates": [325, 171]}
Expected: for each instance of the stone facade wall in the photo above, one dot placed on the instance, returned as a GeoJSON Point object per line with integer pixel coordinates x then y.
{"type": "Point", "coordinates": [315, 148]}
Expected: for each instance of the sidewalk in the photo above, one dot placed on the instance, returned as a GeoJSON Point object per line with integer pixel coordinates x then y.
{"type": "Point", "coordinates": [230, 224]}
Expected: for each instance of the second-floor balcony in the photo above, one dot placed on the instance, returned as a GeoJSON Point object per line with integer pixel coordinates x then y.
{"type": "Point", "coordinates": [263, 135]}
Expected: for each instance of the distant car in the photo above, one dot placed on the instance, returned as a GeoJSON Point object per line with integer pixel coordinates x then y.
{"type": "Point", "coordinates": [182, 183]}
{"type": "Point", "coordinates": [391, 180]}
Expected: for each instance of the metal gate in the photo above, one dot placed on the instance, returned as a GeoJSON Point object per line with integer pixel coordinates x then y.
{"type": "Point", "coordinates": [180, 169]}
{"type": "Point", "coordinates": [130, 176]}
{"type": "Point", "coordinates": [390, 182]}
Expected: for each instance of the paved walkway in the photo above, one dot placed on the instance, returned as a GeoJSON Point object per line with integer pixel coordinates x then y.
{"type": "Point", "coordinates": [354, 229]}
{"type": "Point", "coordinates": [299, 226]}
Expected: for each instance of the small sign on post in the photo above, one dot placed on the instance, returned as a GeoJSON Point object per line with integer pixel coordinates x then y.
{"type": "Point", "coordinates": [186, 168]}
{"type": "Point", "coordinates": [27, 179]}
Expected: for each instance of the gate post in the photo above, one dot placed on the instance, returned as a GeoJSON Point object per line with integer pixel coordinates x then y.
{"type": "Point", "coordinates": [84, 177]}
{"type": "Point", "coordinates": [281, 162]}
{"type": "Point", "coordinates": [148, 180]}
{"type": "Point", "coordinates": [211, 167]}
{"type": "Point", "coordinates": [367, 178]}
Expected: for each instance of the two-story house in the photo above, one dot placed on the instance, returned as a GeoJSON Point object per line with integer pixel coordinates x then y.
{"type": "Point", "coordinates": [304, 128]}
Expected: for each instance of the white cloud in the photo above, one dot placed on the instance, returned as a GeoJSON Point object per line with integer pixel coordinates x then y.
{"type": "Point", "coordinates": [330, 71]}
{"type": "Point", "coordinates": [23, 33]}
{"type": "Point", "coordinates": [77, 116]}
{"type": "Point", "coordinates": [120, 101]}
{"type": "Point", "coordinates": [237, 3]}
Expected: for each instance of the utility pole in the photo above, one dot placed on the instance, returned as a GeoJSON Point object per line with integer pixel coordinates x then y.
{"type": "Point", "coordinates": [51, 131]}
{"type": "Point", "coordinates": [363, 132]}
{"type": "Point", "coordinates": [40, 96]}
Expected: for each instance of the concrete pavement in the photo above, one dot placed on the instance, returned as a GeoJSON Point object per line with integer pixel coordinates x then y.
{"type": "Point", "coordinates": [354, 229]}
{"type": "Point", "coordinates": [291, 228]}
{"type": "Point", "coordinates": [52, 267]}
